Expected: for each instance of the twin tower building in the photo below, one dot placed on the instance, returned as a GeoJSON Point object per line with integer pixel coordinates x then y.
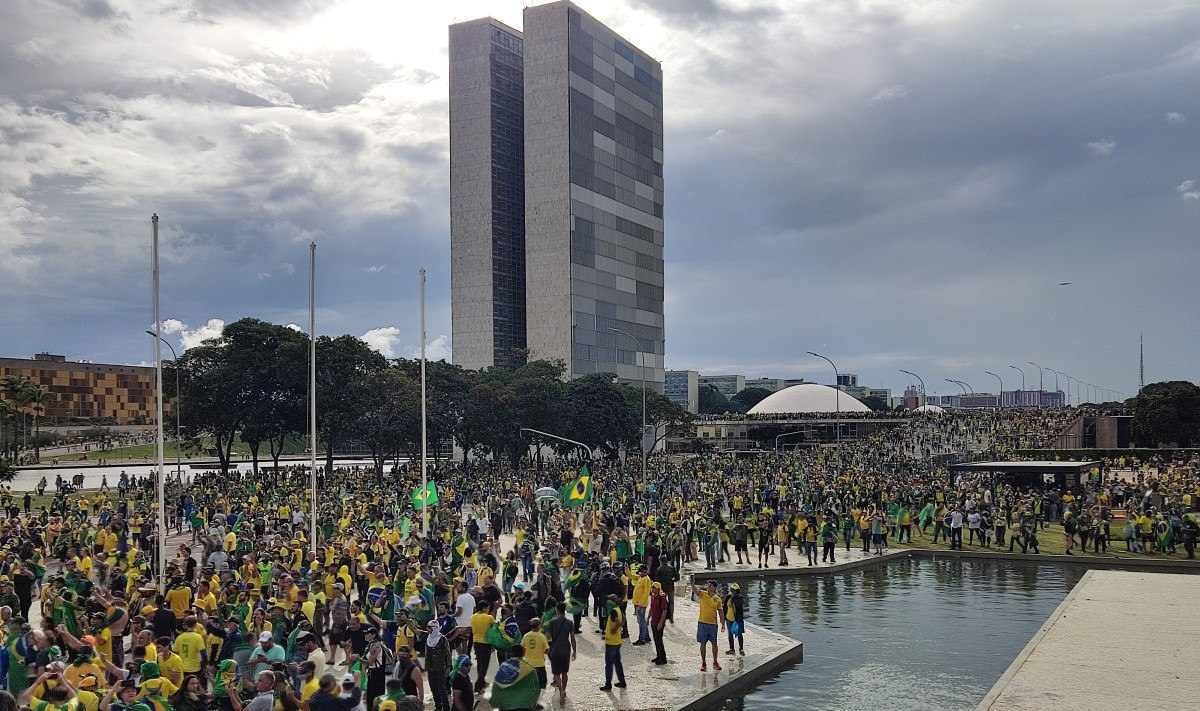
{"type": "Point", "coordinates": [556, 196]}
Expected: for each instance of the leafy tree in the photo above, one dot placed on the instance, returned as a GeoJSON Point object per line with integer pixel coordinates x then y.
{"type": "Point", "coordinates": [747, 398]}
{"type": "Point", "coordinates": [712, 402]}
{"type": "Point", "coordinates": [1167, 413]}
{"type": "Point", "coordinates": [274, 362]}
{"type": "Point", "coordinates": [596, 413]}
{"type": "Point", "coordinates": [388, 423]}
{"type": "Point", "coordinates": [212, 388]}
{"type": "Point", "coordinates": [344, 367]}
{"type": "Point", "coordinates": [446, 389]}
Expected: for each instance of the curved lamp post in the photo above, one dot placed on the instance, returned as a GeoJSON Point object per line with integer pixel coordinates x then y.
{"type": "Point", "coordinates": [837, 397]}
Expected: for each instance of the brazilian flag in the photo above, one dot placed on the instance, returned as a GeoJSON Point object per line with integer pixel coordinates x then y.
{"type": "Point", "coordinates": [427, 495]}
{"type": "Point", "coordinates": [579, 491]}
{"type": "Point", "coordinates": [515, 686]}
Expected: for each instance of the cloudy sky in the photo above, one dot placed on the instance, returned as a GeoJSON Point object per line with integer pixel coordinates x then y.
{"type": "Point", "coordinates": [896, 184]}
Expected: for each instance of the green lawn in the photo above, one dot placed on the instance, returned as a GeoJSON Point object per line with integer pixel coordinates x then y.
{"type": "Point", "coordinates": [1051, 541]}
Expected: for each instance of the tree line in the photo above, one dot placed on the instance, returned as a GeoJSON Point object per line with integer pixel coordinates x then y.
{"type": "Point", "coordinates": [252, 382]}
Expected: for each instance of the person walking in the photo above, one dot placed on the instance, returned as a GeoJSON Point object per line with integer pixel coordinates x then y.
{"type": "Point", "coordinates": [658, 622]}
{"type": "Point", "coordinates": [735, 618]}
{"type": "Point", "coordinates": [561, 651]}
{"type": "Point", "coordinates": [828, 541]}
{"type": "Point", "coordinates": [612, 645]}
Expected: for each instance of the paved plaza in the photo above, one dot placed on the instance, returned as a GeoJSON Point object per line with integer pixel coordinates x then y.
{"type": "Point", "coordinates": [1119, 640]}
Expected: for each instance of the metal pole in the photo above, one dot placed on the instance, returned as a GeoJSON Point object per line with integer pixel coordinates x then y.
{"type": "Point", "coordinates": [312, 391]}
{"type": "Point", "coordinates": [837, 396]}
{"type": "Point", "coordinates": [1041, 387]}
{"type": "Point", "coordinates": [178, 405]}
{"type": "Point", "coordinates": [959, 383]}
{"type": "Point", "coordinates": [919, 380]}
{"type": "Point", "coordinates": [424, 441]}
{"type": "Point", "coordinates": [999, 395]}
{"type": "Point", "coordinates": [158, 416]}
{"type": "Point", "coordinates": [786, 434]}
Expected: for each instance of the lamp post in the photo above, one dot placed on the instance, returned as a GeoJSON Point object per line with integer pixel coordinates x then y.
{"type": "Point", "coordinates": [637, 344]}
{"type": "Point", "coordinates": [1041, 388]}
{"type": "Point", "coordinates": [1056, 374]}
{"type": "Point", "coordinates": [959, 383]}
{"type": "Point", "coordinates": [178, 404]}
{"type": "Point", "coordinates": [786, 434]}
{"type": "Point", "coordinates": [919, 380]}
{"type": "Point", "coordinates": [1000, 394]}
{"type": "Point", "coordinates": [158, 416]}
{"type": "Point", "coordinates": [837, 395]}
{"type": "Point", "coordinates": [1021, 403]}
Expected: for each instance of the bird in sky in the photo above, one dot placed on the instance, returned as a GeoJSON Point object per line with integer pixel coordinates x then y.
{"type": "Point", "coordinates": [1064, 283]}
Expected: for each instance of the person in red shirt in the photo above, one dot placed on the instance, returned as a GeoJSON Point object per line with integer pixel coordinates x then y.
{"type": "Point", "coordinates": [658, 621]}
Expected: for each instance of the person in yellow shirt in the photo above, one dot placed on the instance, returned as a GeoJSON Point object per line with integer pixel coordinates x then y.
{"type": "Point", "coordinates": [481, 621]}
{"type": "Point", "coordinates": [711, 614]}
{"type": "Point", "coordinates": [535, 645]}
{"type": "Point", "coordinates": [179, 599]}
{"type": "Point", "coordinates": [612, 645]}
{"type": "Point", "coordinates": [170, 664]}
{"type": "Point", "coordinates": [641, 602]}
{"type": "Point", "coordinates": [191, 648]}
{"type": "Point", "coordinates": [205, 600]}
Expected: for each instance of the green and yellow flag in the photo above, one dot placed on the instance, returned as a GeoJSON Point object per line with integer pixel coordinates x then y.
{"type": "Point", "coordinates": [428, 495]}
{"type": "Point", "coordinates": [579, 491]}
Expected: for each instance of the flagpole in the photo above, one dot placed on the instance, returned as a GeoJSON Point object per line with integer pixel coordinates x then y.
{"type": "Point", "coordinates": [312, 389]}
{"type": "Point", "coordinates": [158, 416]}
{"type": "Point", "coordinates": [424, 473]}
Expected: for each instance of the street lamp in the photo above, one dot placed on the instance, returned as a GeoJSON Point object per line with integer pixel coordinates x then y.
{"type": "Point", "coordinates": [837, 396]}
{"type": "Point", "coordinates": [959, 383]}
{"type": "Point", "coordinates": [920, 380]}
{"type": "Point", "coordinates": [637, 344]}
{"type": "Point", "coordinates": [1021, 403]}
{"type": "Point", "coordinates": [178, 403]}
{"type": "Point", "coordinates": [1056, 374]}
{"type": "Point", "coordinates": [1041, 388]}
{"type": "Point", "coordinates": [787, 434]}
{"type": "Point", "coordinates": [1000, 394]}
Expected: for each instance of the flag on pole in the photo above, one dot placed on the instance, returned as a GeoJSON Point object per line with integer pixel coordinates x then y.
{"type": "Point", "coordinates": [428, 495]}
{"type": "Point", "coordinates": [579, 491]}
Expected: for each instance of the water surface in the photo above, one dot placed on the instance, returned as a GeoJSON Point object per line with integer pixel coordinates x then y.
{"type": "Point", "coordinates": [912, 634]}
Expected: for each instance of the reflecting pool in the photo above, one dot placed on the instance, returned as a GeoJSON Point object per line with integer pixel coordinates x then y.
{"type": "Point", "coordinates": [911, 634]}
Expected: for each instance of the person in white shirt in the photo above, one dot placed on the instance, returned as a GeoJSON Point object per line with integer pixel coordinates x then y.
{"type": "Point", "coordinates": [464, 607]}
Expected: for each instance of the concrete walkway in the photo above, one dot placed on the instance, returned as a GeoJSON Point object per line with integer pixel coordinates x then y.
{"type": "Point", "coordinates": [1120, 640]}
{"type": "Point", "coordinates": [797, 563]}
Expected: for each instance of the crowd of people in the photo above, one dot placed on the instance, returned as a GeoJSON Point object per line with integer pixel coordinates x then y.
{"type": "Point", "coordinates": [384, 610]}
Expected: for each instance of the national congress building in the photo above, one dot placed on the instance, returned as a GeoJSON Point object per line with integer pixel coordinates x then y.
{"type": "Point", "coordinates": [556, 196]}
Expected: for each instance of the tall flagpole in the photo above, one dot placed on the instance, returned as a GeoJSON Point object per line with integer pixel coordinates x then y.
{"type": "Point", "coordinates": [158, 416]}
{"type": "Point", "coordinates": [312, 389]}
{"type": "Point", "coordinates": [424, 441]}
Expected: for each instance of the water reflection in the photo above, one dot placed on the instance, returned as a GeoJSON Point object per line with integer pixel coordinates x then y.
{"type": "Point", "coordinates": [914, 634]}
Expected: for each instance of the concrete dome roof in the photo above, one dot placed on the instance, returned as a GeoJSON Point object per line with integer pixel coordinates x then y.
{"type": "Point", "coordinates": [932, 409]}
{"type": "Point", "coordinates": [807, 397]}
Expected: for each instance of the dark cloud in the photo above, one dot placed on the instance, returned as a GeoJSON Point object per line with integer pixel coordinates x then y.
{"type": "Point", "coordinates": [271, 10]}
{"type": "Point", "coordinates": [95, 9]}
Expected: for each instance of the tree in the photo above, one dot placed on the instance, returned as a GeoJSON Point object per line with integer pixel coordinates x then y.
{"type": "Point", "coordinates": [446, 389]}
{"type": "Point", "coordinates": [712, 402]}
{"type": "Point", "coordinates": [273, 366]}
{"type": "Point", "coordinates": [1167, 413]}
{"type": "Point", "coordinates": [596, 413]}
{"type": "Point", "coordinates": [666, 418]}
{"type": "Point", "coordinates": [36, 398]}
{"type": "Point", "coordinates": [747, 398]}
{"type": "Point", "coordinates": [344, 365]}
{"type": "Point", "coordinates": [212, 387]}
{"type": "Point", "coordinates": [388, 424]}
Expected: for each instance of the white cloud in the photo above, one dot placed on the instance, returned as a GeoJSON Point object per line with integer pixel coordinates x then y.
{"type": "Point", "coordinates": [375, 268]}
{"type": "Point", "coordinates": [1176, 118]}
{"type": "Point", "coordinates": [386, 340]}
{"type": "Point", "coordinates": [296, 327]}
{"type": "Point", "coordinates": [1102, 147]}
{"type": "Point", "coordinates": [891, 93]}
{"type": "Point", "coordinates": [287, 268]}
{"type": "Point", "coordinates": [191, 337]}
{"type": "Point", "coordinates": [383, 339]}
{"type": "Point", "coordinates": [1188, 190]}
{"type": "Point", "coordinates": [264, 275]}
{"type": "Point", "coordinates": [437, 349]}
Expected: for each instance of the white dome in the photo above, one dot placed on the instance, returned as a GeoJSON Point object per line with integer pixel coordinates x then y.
{"type": "Point", "coordinates": [931, 409]}
{"type": "Point", "coordinates": [807, 397]}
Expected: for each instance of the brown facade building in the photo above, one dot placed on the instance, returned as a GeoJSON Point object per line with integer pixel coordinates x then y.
{"type": "Point", "coordinates": [115, 394]}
